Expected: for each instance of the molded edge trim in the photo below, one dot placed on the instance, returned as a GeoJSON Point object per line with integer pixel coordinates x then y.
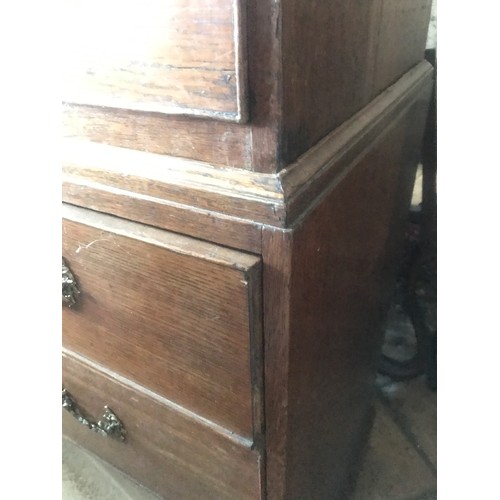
{"type": "Point", "coordinates": [277, 200]}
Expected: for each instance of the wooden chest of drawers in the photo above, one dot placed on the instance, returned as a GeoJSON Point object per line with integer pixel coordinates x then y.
{"type": "Point", "coordinates": [235, 179]}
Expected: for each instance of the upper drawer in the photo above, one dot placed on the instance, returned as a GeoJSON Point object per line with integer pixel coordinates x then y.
{"type": "Point", "coordinates": [174, 314]}
{"type": "Point", "coordinates": [167, 56]}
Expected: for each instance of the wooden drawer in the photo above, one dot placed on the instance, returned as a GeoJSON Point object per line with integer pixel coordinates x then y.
{"type": "Point", "coordinates": [166, 56]}
{"type": "Point", "coordinates": [164, 449]}
{"type": "Point", "coordinates": [178, 316]}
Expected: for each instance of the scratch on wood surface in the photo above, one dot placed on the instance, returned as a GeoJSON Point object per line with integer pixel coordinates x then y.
{"type": "Point", "coordinates": [82, 247]}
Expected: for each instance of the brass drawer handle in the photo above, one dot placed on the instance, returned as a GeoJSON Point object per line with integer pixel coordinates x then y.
{"type": "Point", "coordinates": [70, 291]}
{"type": "Point", "coordinates": [109, 425]}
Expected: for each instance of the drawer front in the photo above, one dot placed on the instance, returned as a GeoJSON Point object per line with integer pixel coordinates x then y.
{"type": "Point", "coordinates": [167, 56]}
{"type": "Point", "coordinates": [176, 315]}
{"type": "Point", "coordinates": [166, 451]}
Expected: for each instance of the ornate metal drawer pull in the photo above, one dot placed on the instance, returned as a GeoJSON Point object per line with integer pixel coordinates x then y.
{"type": "Point", "coordinates": [109, 425]}
{"type": "Point", "coordinates": [70, 291]}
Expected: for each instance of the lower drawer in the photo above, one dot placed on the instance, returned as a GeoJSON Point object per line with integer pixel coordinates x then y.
{"type": "Point", "coordinates": [166, 449]}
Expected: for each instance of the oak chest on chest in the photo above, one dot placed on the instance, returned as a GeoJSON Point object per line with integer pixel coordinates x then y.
{"type": "Point", "coordinates": [235, 180]}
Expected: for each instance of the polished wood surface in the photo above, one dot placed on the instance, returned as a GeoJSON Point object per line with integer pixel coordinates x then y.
{"type": "Point", "coordinates": [310, 67]}
{"type": "Point", "coordinates": [166, 56]}
{"type": "Point", "coordinates": [242, 194]}
{"type": "Point", "coordinates": [277, 262]}
{"type": "Point", "coordinates": [235, 276]}
{"type": "Point", "coordinates": [171, 313]}
{"type": "Point", "coordinates": [327, 288]}
{"type": "Point", "coordinates": [338, 56]}
{"type": "Point", "coordinates": [168, 451]}
{"type": "Point", "coordinates": [216, 142]}
{"type": "Point", "coordinates": [402, 36]}
{"type": "Point", "coordinates": [225, 230]}
{"type": "Point", "coordinates": [227, 206]}
{"type": "Point", "coordinates": [324, 165]}
{"type": "Point", "coordinates": [325, 283]}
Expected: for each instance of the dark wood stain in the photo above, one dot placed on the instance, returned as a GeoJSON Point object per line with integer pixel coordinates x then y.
{"type": "Point", "coordinates": [209, 226]}
{"type": "Point", "coordinates": [215, 142]}
{"type": "Point", "coordinates": [172, 454]}
{"type": "Point", "coordinates": [339, 55]}
{"type": "Point", "coordinates": [234, 283]}
{"type": "Point", "coordinates": [170, 56]}
{"type": "Point", "coordinates": [176, 323]}
{"type": "Point", "coordinates": [264, 82]}
{"type": "Point", "coordinates": [309, 66]}
{"type": "Point", "coordinates": [401, 40]}
{"type": "Point", "coordinates": [329, 291]}
{"type": "Point", "coordinates": [276, 248]}
{"type": "Point", "coordinates": [226, 207]}
{"type": "Point", "coordinates": [303, 181]}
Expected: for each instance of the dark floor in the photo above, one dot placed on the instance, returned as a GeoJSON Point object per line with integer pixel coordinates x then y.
{"type": "Point", "coordinates": [401, 460]}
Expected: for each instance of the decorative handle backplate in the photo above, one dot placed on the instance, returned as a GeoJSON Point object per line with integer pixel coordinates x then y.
{"type": "Point", "coordinates": [109, 425]}
{"type": "Point", "coordinates": [70, 291]}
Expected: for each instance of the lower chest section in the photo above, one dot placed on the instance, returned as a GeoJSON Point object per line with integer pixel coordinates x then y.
{"type": "Point", "coordinates": [162, 361]}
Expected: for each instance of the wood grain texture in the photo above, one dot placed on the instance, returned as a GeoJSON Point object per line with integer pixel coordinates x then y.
{"type": "Point", "coordinates": [311, 66]}
{"type": "Point", "coordinates": [336, 309]}
{"type": "Point", "coordinates": [244, 195]}
{"type": "Point", "coordinates": [170, 453]}
{"type": "Point", "coordinates": [215, 142]}
{"type": "Point", "coordinates": [166, 311]}
{"type": "Point", "coordinates": [277, 256]}
{"type": "Point", "coordinates": [339, 55]}
{"type": "Point", "coordinates": [401, 40]}
{"type": "Point", "coordinates": [325, 163]}
{"type": "Point", "coordinates": [218, 228]}
{"type": "Point", "coordinates": [344, 256]}
{"type": "Point", "coordinates": [169, 56]}
{"type": "Point", "coordinates": [255, 314]}
{"type": "Point", "coordinates": [253, 146]}
{"type": "Point", "coordinates": [264, 79]}
{"type": "Point", "coordinates": [237, 375]}
{"type": "Point", "coordinates": [325, 64]}
{"type": "Point", "coordinates": [222, 205]}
